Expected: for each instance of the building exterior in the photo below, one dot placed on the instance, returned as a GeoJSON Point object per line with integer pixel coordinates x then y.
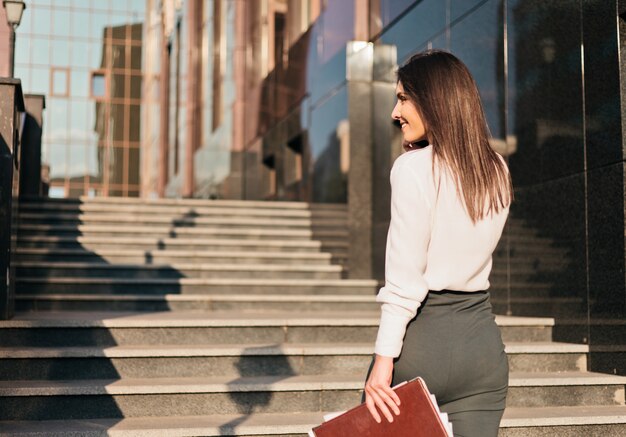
{"type": "Point", "coordinates": [86, 57]}
{"type": "Point", "coordinates": [291, 100]}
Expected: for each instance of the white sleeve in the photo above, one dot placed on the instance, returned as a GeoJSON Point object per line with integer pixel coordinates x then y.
{"type": "Point", "coordinates": [405, 259]}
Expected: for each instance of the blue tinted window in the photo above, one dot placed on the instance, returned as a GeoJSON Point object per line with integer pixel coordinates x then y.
{"type": "Point", "coordinates": [98, 85]}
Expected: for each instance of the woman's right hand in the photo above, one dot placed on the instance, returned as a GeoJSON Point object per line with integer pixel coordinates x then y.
{"type": "Point", "coordinates": [378, 392]}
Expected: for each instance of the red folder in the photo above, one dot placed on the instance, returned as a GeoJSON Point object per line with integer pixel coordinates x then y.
{"type": "Point", "coordinates": [419, 417]}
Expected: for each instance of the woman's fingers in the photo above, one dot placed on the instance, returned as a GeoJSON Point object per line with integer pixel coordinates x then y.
{"type": "Point", "coordinates": [378, 392]}
{"type": "Point", "coordinates": [387, 394]}
{"type": "Point", "coordinates": [382, 399]}
{"type": "Point", "coordinates": [395, 397]}
{"type": "Point", "coordinates": [381, 406]}
{"type": "Point", "coordinates": [369, 401]}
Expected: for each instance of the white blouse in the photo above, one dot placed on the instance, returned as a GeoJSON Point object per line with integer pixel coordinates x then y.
{"type": "Point", "coordinates": [432, 244]}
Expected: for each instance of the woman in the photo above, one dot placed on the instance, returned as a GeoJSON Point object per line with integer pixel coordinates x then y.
{"type": "Point", "coordinates": [450, 198]}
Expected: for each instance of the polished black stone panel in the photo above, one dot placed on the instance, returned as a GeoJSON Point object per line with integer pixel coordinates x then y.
{"type": "Point", "coordinates": [555, 212]}
{"type": "Point", "coordinates": [605, 233]}
{"type": "Point", "coordinates": [622, 68]}
{"type": "Point", "coordinates": [602, 83]}
{"type": "Point", "coordinates": [545, 94]}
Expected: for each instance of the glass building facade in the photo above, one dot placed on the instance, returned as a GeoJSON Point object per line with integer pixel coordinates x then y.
{"type": "Point", "coordinates": [86, 57]}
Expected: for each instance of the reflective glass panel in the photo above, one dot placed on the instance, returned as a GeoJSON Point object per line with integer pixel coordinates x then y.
{"type": "Point", "coordinates": [77, 168]}
{"type": "Point", "coordinates": [59, 82]}
{"type": "Point", "coordinates": [61, 23]}
{"type": "Point", "coordinates": [458, 8]}
{"type": "Point", "coordinates": [42, 18]}
{"type": "Point", "coordinates": [57, 120]}
{"type": "Point", "coordinates": [338, 27]}
{"type": "Point", "coordinates": [99, 21]}
{"type": "Point", "coordinates": [40, 81]}
{"type": "Point", "coordinates": [80, 24]}
{"type": "Point", "coordinates": [60, 52]}
{"type": "Point", "coordinates": [93, 160]}
{"type": "Point", "coordinates": [56, 155]}
{"type": "Point", "coordinates": [422, 23]}
{"type": "Point", "coordinates": [40, 51]}
{"type": "Point", "coordinates": [390, 9]}
{"type": "Point", "coordinates": [478, 42]}
{"type": "Point", "coordinates": [98, 84]}
{"type": "Point", "coordinates": [81, 121]}
{"type": "Point", "coordinates": [329, 184]}
{"type": "Point", "coordinates": [79, 86]}
{"type": "Point", "coordinates": [22, 51]}
{"type": "Point", "coordinates": [80, 54]}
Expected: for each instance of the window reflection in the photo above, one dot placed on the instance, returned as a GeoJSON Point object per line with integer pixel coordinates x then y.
{"type": "Point", "coordinates": [388, 10]}
{"type": "Point", "coordinates": [40, 51]}
{"type": "Point", "coordinates": [41, 20]}
{"type": "Point", "coordinates": [98, 84]}
{"type": "Point", "coordinates": [60, 82]}
{"type": "Point", "coordinates": [422, 23]}
{"type": "Point", "coordinates": [477, 41]}
{"type": "Point", "coordinates": [57, 157]}
{"type": "Point", "coordinates": [61, 22]}
{"type": "Point", "coordinates": [40, 80]}
{"type": "Point", "coordinates": [545, 78]}
{"type": "Point", "coordinates": [60, 52]}
{"type": "Point", "coordinates": [77, 169]}
{"type": "Point", "coordinates": [326, 134]}
{"type": "Point", "coordinates": [80, 23]}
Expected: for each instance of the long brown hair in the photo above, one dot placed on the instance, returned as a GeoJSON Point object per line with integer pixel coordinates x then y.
{"type": "Point", "coordinates": [447, 99]}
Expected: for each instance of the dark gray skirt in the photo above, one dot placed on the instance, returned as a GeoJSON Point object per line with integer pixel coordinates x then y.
{"type": "Point", "coordinates": [456, 346]}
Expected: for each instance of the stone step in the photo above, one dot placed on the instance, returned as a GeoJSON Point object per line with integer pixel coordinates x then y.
{"type": "Point", "coordinates": [96, 243]}
{"type": "Point", "coordinates": [606, 421]}
{"type": "Point", "coordinates": [540, 307]}
{"type": "Point", "coordinates": [162, 232]}
{"type": "Point", "coordinates": [517, 422]}
{"type": "Point", "coordinates": [205, 286]}
{"type": "Point", "coordinates": [89, 209]}
{"type": "Point", "coordinates": [105, 329]}
{"type": "Point", "coordinates": [516, 272]}
{"type": "Point", "coordinates": [152, 361]}
{"type": "Point", "coordinates": [138, 256]}
{"type": "Point", "coordinates": [114, 201]}
{"type": "Point", "coordinates": [229, 284]}
{"type": "Point", "coordinates": [558, 268]}
{"type": "Point", "coordinates": [178, 302]}
{"type": "Point", "coordinates": [33, 269]}
{"type": "Point", "coordinates": [140, 397]}
{"type": "Point", "coordinates": [165, 221]}
{"type": "Point", "coordinates": [535, 252]}
{"type": "Point", "coordinates": [217, 268]}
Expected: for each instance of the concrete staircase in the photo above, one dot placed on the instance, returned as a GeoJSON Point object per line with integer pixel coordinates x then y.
{"type": "Point", "coordinates": [188, 317]}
